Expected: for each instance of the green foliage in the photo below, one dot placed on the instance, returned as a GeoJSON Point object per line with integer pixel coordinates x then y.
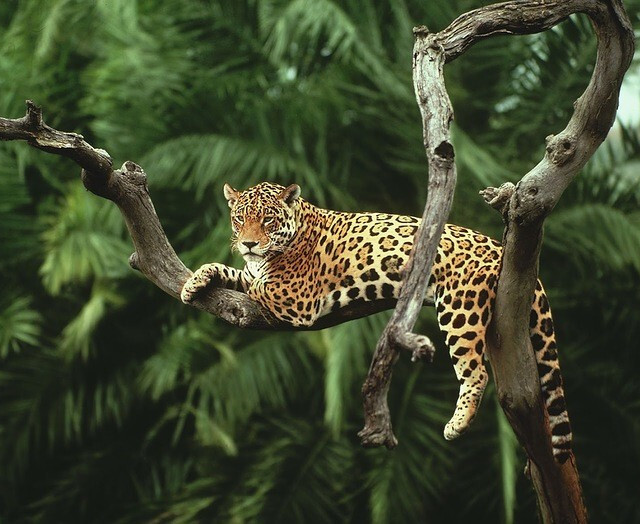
{"type": "Point", "coordinates": [117, 404]}
{"type": "Point", "coordinates": [82, 241]}
{"type": "Point", "coordinates": [19, 325]}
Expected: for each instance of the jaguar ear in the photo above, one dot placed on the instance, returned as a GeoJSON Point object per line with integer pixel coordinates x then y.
{"type": "Point", "coordinates": [290, 194]}
{"type": "Point", "coordinates": [230, 194]}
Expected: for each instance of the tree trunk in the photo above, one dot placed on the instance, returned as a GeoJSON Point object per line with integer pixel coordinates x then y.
{"type": "Point", "coordinates": [524, 207]}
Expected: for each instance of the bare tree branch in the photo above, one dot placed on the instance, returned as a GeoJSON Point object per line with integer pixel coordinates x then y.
{"type": "Point", "coordinates": [154, 256]}
{"type": "Point", "coordinates": [436, 111]}
{"type": "Point", "coordinates": [524, 207]}
{"type": "Point", "coordinates": [508, 344]}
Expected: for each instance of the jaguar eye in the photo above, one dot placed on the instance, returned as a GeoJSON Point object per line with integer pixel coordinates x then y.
{"type": "Point", "coordinates": [267, 220]}
{"type": "Point", "coordinates": [238, 220]}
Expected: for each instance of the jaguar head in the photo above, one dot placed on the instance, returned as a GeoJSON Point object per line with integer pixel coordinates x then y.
{"type": "Point", "coordinates": [263, 219]}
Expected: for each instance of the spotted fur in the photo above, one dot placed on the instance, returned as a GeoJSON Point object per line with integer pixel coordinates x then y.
{"type": "Point", "coordinates": [303, 262]}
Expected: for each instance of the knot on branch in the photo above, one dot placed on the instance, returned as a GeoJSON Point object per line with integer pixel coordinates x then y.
{"type": "Point", "coordinates": [240, 317]}
{"type": "Point", "coordinates": [498, 197]}
{"type": "Point", "coordinates": [134, 261]}
{"type": "Point", "coordinates": [444, 152]}
{"type": "Point", "coordinates": [33, 116]}
{"type": "Point", "coordinates": [420, 30]}
{"type": "Point", "coordinates": [43, 136]}
{"type": "Point", "coordinates": [560, 148]}
{"type": "Point", "coordinates": [506, 400]}
{"type": "Point", "coordinates": [134, 173]}
{"type": "Point", "coordinates": [531, 204]}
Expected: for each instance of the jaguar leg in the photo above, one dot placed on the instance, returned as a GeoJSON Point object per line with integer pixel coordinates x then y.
{"type": "Point", "coordinates": [464, 319]}
{"type": "Point", "coordinates": [216, 275]}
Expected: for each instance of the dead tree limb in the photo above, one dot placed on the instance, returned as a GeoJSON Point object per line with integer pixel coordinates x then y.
{"type": "Point", "coordinates": [537, 193]}
{"type": "Point", "coordinates": [436, 111]}
{"type": "Point", "coordinates": [509, 348]}
{"type": "Point", "coordinates": [154, 256]}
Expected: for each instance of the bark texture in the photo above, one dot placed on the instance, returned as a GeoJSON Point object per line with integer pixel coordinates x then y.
{"type": "Point", "coordinates": [524, 209]}
{"type": "Point", "coordinates": [437, 113]}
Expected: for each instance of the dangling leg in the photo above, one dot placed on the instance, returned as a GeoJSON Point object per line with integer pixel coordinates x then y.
{"type": "Point", "coordinates": [464, 319]}
{"type": "Point", "coordinates": [543, 340]}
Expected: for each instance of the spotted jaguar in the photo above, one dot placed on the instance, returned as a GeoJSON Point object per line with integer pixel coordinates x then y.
{"type": "Point", "coordinates": [303, 262]}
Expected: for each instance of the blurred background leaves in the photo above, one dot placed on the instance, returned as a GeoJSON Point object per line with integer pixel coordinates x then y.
{"type": "Point", "coordinates": [117, 404]}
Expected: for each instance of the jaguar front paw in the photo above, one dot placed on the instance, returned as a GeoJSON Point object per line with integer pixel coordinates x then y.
{"type": "Point", "coordinates": [188, 292]}
{"type": "Point", "coordinates": [198, 281]}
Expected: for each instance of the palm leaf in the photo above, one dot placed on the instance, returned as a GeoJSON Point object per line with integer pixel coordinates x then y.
{"type": "Point", "coordinates": [84, 239]}
{"type": "Point", "coordinates": [403, 484]}
{"type": "Point", "coordinates": [76, 337]}
{"type": "Point", "coordinates": [613, 242]}
{"type": "Point", "coordinates": [20, 325]}
{"type": "Point", "coordinates": [347, 348]}
{"type": "Point", "coordinates": [202, 164]}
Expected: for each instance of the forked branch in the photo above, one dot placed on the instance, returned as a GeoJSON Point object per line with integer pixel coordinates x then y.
{"type": "Point", "coordinates": [524, 208]}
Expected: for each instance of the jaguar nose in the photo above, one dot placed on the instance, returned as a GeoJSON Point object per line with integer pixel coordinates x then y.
{"type": "Point", "coordinates": [250, 244]}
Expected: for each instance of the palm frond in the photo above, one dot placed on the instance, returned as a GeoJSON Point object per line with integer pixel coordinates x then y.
{"type": "Point", "coordinates": [261, 380]}
{"type": "Point", "coordinates": [347, 348]}
{"type": "Point", "coordinates": [613, 242]}
{"type": "Point", "coordinates": [20, 325]}
{"type": "Point", "coordinates": [311, 29]}
{"type": "Point", "coordinates": [76, 338]}
{"type": "Point", "coordinates": [202, 164]}
{"type": "Point", "coordinates": [181, 353]}
{"type": "Point", "coordinates": [83, 239]}
{"type": "Point", "coordinates": [19, 232]}
{"type": "Point", "coordinates": [286, 479]}
{"type": "Point", "coordinates": [402, 485]}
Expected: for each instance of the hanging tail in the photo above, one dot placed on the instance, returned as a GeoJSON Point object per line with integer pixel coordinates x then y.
{"type": "Point", "coordinates": [543, 340]}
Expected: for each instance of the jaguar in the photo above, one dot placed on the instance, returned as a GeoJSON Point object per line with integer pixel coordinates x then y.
{"type": "Point", "coordinates": [303, 262]}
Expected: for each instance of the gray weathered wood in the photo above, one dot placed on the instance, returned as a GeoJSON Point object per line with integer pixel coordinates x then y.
{"type": "Point", "coordinates": [436, 111]}
{"type": "Point", "coordinates": [557, 487]}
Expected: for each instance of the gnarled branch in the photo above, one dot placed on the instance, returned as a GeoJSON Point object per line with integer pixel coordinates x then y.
{"type": "Point", "coordinates": [524, 207]}
{"type": "Point", "coordinates": [537, 193]}
{"type": "Point", "coordinates": [154, 256]}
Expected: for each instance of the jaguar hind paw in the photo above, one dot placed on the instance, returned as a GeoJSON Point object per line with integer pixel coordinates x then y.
{"type": "Point", "coordinates": [453, 430]}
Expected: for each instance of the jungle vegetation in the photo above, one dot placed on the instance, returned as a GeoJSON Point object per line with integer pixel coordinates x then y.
{"type": "Point", "coordinates": [119, 404]}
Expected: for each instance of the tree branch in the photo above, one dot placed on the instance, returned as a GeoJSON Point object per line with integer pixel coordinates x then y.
{"type": "Point", "coordinates": [154, 256]}
{"type": "Point", "coordinates": [508, 344]}
{"type": "Point", "coordinates": [524, 207]}
{"type": "Point", "coordinates": [436, 111]}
